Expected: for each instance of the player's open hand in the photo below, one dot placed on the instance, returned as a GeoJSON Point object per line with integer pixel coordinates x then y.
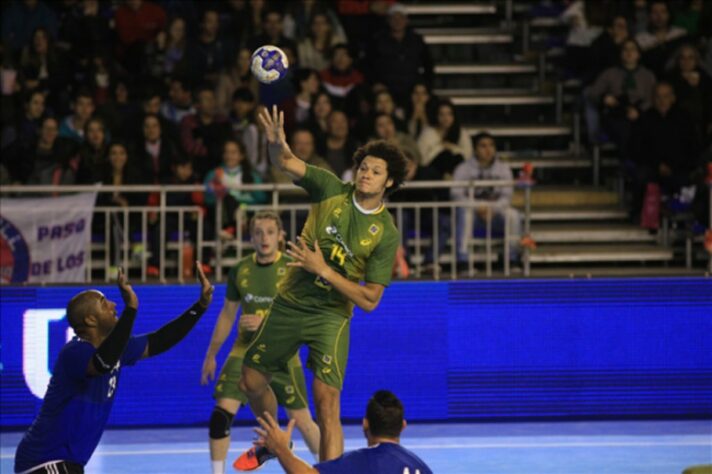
{"type": "Point", "coordinates": [207, 374]}
{"type": "Point", "coordinates": [127, 293]}
{"type": "Point", "coordinates": [206, 289]}
{"type": "Point", "coordinates": [306, 258]}
{"type": "Point", "coordinates": [271, 435]}
{"type": "Point", "coordinates": [273, 124]}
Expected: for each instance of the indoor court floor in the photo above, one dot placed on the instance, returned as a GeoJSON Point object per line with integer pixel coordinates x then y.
{"type": "Point", "coordinates": [622, 447]}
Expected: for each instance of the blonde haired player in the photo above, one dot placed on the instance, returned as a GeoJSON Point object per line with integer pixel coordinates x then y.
{"type": "Point", "coordinates": [252, 284]}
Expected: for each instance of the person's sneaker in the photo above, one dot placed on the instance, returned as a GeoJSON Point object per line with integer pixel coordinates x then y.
{"type": "Point", "coordinates": [254, 458]}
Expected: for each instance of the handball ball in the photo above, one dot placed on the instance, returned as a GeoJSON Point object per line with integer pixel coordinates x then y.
{"type": "Point", "coordinates": [269, 64]}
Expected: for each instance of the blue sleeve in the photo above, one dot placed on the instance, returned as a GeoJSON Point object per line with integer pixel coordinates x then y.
{"type": "Point", "coordinates": [349, 463]}
{"type": "Point", "coordinates": [134, 350]}
{"type": "Point", "coordinates": [74, 360]}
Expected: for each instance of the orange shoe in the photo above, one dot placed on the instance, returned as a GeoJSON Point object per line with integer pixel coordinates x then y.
{"type": "Point", "coordinates": [254, 458]}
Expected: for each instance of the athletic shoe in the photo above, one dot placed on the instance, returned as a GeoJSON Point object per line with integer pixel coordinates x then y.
{"type": "Point", "coordinates": [254, 458]}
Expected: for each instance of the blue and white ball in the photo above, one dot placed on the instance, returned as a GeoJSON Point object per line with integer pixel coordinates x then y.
{"type": "Point", "coordinates": [269, 64]}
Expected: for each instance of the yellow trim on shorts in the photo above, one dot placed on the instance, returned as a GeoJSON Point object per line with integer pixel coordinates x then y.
{"type": "Point", "coordinates": [296, 385]}
{"type": "Point", "coordinates": [259, 333]}
{"type": "Point", "coordinates": [336, 345]}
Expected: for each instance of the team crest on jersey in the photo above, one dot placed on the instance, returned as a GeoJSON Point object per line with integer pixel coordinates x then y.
{"type": "Point", "coordinates": [262, 347]}
{"type": "Point", "coordinates": [326, 359]}
{"type": "Point", "coordinates": [373, 229]}
{"type": "Point", "coordinates": [281, 271]}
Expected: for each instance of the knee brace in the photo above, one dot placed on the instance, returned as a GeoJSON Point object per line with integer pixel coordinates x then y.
{"type": "Point", "coordinates": [220, 423]}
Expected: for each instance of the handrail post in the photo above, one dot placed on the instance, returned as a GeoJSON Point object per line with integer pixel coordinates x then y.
{"type": "Point", "coordinates": [162, 243]}
{"type": "Point", "coordinates": [527, 226]}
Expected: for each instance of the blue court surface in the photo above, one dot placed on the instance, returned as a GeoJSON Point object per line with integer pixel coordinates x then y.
{"type": "Point", "coordinates": [645, 447]}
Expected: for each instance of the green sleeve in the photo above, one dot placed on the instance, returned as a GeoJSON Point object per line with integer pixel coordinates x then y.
{"type": "Point", "coordinates": [321, 184]}
{"type": "Point", "coordinates": [379, 266]}
{"type": "Point", "coordinates": [231, 292]}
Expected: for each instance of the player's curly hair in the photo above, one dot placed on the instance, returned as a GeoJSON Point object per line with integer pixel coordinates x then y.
{"type": "Point", "coordinates": [393, 156]}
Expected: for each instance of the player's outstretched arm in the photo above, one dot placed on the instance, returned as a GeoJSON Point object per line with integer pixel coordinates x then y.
{"type": "Point", "coordinates": [277, 441]}
{"type": "Point", "coordinates": [279, 152]}
{"type": "Point", "coordinates": [109, 351]}
{"type": "Point", "coordinates": [172, 333]}
{"type": "Point", "coordinates": [223, 326]}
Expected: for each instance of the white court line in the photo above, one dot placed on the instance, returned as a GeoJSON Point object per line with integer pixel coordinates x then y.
{"type": "Point", "coordinates": [602, 444]}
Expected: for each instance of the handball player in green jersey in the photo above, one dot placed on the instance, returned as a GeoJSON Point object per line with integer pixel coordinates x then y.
{"type": "Point", "coordinates": [344, 258]}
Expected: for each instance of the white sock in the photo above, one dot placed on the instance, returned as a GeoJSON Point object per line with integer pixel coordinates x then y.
{"type": "Point", "coordinates": [218, 467]}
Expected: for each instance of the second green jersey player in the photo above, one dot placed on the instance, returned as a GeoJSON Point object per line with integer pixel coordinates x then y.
{"type": "Point", "coordinates": [343, 259]}
{"type": "Point", "coordinates": [251, 285]}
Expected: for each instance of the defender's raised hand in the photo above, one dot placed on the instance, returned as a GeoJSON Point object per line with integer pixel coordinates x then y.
{"type": "Point", "coordinates": [127, 293]}
{"type": "Point", "coordinates": [206, 288]}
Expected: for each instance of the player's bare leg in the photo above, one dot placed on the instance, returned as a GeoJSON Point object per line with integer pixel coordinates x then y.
{"type": "Point", "coordinates": [309, 429]}
{"type": "Point", "coordinates": [220, 446]}
{"type": "Point", "coordinates": [328, 415]}
{"type": "Point", "coordinates": [255, 385]}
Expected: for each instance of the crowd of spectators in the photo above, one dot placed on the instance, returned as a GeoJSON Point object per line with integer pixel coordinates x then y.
{"type": "Point", "coordinates": [646, 66]}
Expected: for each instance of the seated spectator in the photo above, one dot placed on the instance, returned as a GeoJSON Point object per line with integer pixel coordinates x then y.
{"type": "Point", "coordinates": [27, 127]}
{"type": "Point", "coordinates": [205, 56]}
{"type": "Point", "coordinates": [88, 30]}
{"type": "Point", "coordinates": [621, 94]}
{"type": "Point", "coordinates": [137, 23]}
{"type": "Point", "coordinates": [101, 74]}
{"type": "Point", "coordinates": [661, 39]}
{"type": "Point", "coordinates": [180, 101]}
{"type": "Point", "coordinates": [93, 152]}
{"type": "Point", "coordinates": [444, 145]}
{"type": "Point", "coordinates": [82, 110]}
{"type": "Point", "coordinates": [416, 115]}
{"type": "Point", "coordinates": [693, 18]}
{"type": "Point", "coordinates": [313, 51]}
{"type": "Point", "coordinates": [21, 19]}
{"type": "Point", "coordinates": [203, 133]}
{"type": "Point", "coordinates": [665, 147]}
{"type": "Point", "coordinates": [605, 51]}
{"type": "Point", "coordinates": [244, 128]}
{"type": "Point", "coordinates": [385, 129]}
{"type": "Point", "coordinates": [166, 54]}
{"type": "Point", "coordinates": [693, 88]}
{"type": "Point", "coordinates": [320, 110]}
{"type": "Point", "coordinates": [399, 57]}
{"type": "Point", "coordinates": [298, 15]}
{"type": "Point", "coordinates": [120, 110]}
{"type": "Point", "coordinates": [222, 183]}
{"type": "Point", "coordinates": [338, 147]}
{"type": "Point", "coordinates": [497, 201]}
{"type": "Point", "coordinates": [151, 103]}
{"type": "Point", "coordinates": [44, 67]}
{"type": "Point", "coordinates": [154, 152]}
{"type": "Point", "coordinates": [584, 20]}
{"type": "Point", "coordinates": [273, 33]}
{"type": "Point", "coordinates": [236, 76]}
{"type": "Point", "coordinates": [341, 77]}
{"type": "Point", "coordinates": [118, 172]}
{"type": "Point", "coordinates": [244, 21]}
{"type": "Point", "coordinates": [297, 109]}
{"type": "Point", "coordinates": [384, 104]}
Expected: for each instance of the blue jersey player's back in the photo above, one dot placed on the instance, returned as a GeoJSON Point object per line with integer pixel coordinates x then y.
{"type": "Point", "coordinates": [75, 409]}
{"type": "Point", "coordinates": [383, 458]}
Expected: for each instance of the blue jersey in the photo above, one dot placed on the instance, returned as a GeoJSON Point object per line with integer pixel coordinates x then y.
{"type": "Point", "coordinates": [384, 458]}
{"type": "Point", "coordinates": [76, 407]}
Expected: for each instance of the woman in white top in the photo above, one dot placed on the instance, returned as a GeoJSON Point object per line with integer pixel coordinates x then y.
{"type": "Point", "coordinates": [444, 145]}
{"type": "Point", "coordinates": [313, 51]}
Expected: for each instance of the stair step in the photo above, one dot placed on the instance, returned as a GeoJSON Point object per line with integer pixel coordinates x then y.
{"type": "Point", "coordinates": [464, 36]}
{"type": "Point", "coordinates": [451, 9]}
{"type": "Point", "coordinates": [520, 130]}
{"type": "Point", "coordinates": [567, 197]}
{"type": "Point", "coordinates": [548, 214]}
{"type": "Point", "coordinates": [586, 232]}
{"type": "Point", "coordinates": [493, 68]}
{"type": "Point", "coordinates": [511, 99]}
{"type": "Point", "coordinates": [599, 253]}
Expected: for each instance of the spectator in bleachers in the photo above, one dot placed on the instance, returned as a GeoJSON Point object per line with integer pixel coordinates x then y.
{"type": "Point", "coordinates": [297, 109]}
{"type": "Point", "coordinates": [585, 22]}
{"type": "Point", "coordinates": [299, 13]}
{"type": "Point", "coordinates": [245, 22]}
{"type": "Point", "coordinates": [20, 19]}
{"type": "Point", "coordinates": [154, 152]}
{"type": "Point", "coordinates": [385, 128]}
{"type": "Point", "coordinates": [384, 104]}
{"type": "Point", "coordinates": [120, 110]}
{"type": "Point", "coordinates": [661, 39]}
{"type": "Point", "coordinates": [318, 118]}
{"type": "Point", "coordinates": [665, 147]}
{"type": "Point", "coordinates": [399, 56]}
{"type": "Point", "coordinates": [470, 222]}
{"type": "Point", "coordinates": [151, 103]}
{"type": "Point", "coordinates": [203, 132]}
{"type": "Point", "coordinates": [118, 172]}
{"type": "Point", "coordinates": [693, 88]}
{"type": "Point", "coordinates": [691, 17]}
{"type": "Point", "coordinates": [180, 101]}
{"type": "Point", "coordinates": [101, 74]}
{"type": "Point", "coordinates": [313, 51]}
{"type": "Point", "coordinates": [245, 129]}
{"type": "Point", "coordinates": [44, 68]}
{"type": "Point", "coordinates": [48, 160]}
{"type": "Point", "coordinates": [360, 19]}
{"type": "Point", "coordinates": [605, 50]}
{"type": "Point", "coordinates": [273, 33]}
{"type": "Point", "coordinates": [340, 77]}
{"type": "Point", "coordinates": [205, 56]}
{"type": "Point", "coordinates": [338, 147]}
{"type": "Point", "coordinates": [93, 152]}
{"type": "Point", "coordinates": [137, 23]}
{"type": "Point", "coordinates": [27, 127]}
{"type": "Point", "coordinates": [221, 181]}
{"type": "Point", "coordinates": [82, 110]}
{"type": "Point", "coordinates": [303, 146]}
{"type": "Point", "coordinates": [444, 145]}
{"type": "Point", "coordinates": [166, 54]}
{"type": "Point", "coordinates": [638, 14]}
{"type": "Point", "coordinates": [87, 30]}
{"type": "Point", "coordinates": [620, 94]}
{"type": "Point", "coordinates": [237, 75]}
{"type": "Point", "coordinates": [416, 115]}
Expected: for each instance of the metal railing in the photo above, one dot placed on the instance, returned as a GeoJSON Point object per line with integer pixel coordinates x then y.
{"type": "Point", "coordinates": [115, 245]}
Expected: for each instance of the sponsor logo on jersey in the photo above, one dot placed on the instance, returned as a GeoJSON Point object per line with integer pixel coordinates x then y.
{"type": "Point", "coordinates": [334, 232]}
{"type": "Point", "coordinates": [337, 212]}
{"type": "Point", "coordinates": [250, 298]}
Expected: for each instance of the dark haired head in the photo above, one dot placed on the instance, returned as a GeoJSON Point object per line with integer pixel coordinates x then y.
{"type": "Point", "coordinates": [338, 47]}
{"type": "Point", "coordinates": [391, 154]}
{"type": "Point", "coordinates": [481, 136]}
{"type": "Point", "coordinates": [300, 75]}
{"type": "Point", "coordinates": [245, 164]}
{"type": "Point", "coordinates": [452, 135]}
{"type": "Point", "coordinates": [181, 159]}
{"type": "Point", "coordinates": [243, 94]}
{"type": "Point", "coordinates": [384, 413]}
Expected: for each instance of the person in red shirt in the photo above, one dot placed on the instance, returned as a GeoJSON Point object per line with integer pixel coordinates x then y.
{"type": "Point", "coordinates": [137, 23]}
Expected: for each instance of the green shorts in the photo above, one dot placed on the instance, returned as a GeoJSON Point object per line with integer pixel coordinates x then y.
{"type": "Point", "coordinates": [288, 385]}
{"type": "Point", "coordinates": [286, 329]}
